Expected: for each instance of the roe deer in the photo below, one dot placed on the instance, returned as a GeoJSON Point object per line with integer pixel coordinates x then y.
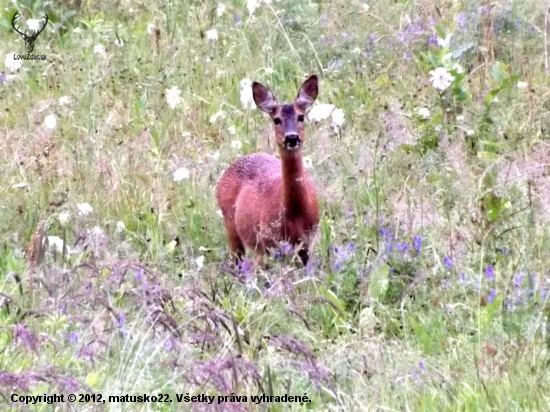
{"type": "Point", "coordinates": [265, 200]}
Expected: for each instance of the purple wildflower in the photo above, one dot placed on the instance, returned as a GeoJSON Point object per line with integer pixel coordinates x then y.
{"type": "Point", "coordinates": [489, 273]}
{"type": "Point", "coordinates": [421, 366]}
{"type": "Point", "coordinates": [531, 285]}
{"type": "Point", "coordinates": [492, 295]}
{"type": "Point", "coordinates": [73, 337]}
{"type": "Point", "coordinates": [63, 309]}
{"type": "Point", "coordinates": [121, 319]}
{"type": "Point", "coordinates": [342, 255]}
{"type": "Point", "coordinates": [2, 77]}
{"type": "Point", "coordinates": [238, 19]}
{"type": "Point", "coordinates": [544, 294]}
{"type": "Point", "coordinates": [432, 41]}
{"type": "Point", "coordinates": [417, 243]}
{"type": "Point", "coordinates": [244, 265]}
{"type": "Point", "coordinates": [486, 10]}
{"type": "Point", "coordinates": [386, 234]}
{"type": "Point", "coordinates": [463, 278]}
{"type": "Point", "coordinates": [402, 247]}
{"type": "Point", "coordinates": [518, 279]}
{"type": "Point", "coordinates": [139, 274]}
{"type": "Point", "coordinates": [448, 262]}
{"type": "Point", "coordinates": [461, 18]}
{"type": "Point", "coordinates": [286, 248]}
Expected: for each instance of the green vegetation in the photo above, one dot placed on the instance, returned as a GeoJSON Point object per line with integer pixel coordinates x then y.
{"type": "Point", "coordinates": [428, 287]}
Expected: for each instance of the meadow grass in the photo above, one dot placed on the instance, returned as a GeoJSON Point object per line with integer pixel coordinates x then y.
{"type": "Point", "coordinates": [428, 283]}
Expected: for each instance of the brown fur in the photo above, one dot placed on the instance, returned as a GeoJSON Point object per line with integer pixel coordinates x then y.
{"type": "Point", "coordinates": [265, 200]}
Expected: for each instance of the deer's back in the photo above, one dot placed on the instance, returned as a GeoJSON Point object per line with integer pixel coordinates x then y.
{"type": "Point", "coordinates": [254, 176]}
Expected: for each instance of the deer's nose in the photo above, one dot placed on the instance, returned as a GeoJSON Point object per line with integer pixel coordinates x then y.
{"type": "Point", "coordinates": [292, 141]}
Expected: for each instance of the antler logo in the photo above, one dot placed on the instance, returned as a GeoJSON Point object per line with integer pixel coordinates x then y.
{"type": "Point", "coordinates": [29, 40]}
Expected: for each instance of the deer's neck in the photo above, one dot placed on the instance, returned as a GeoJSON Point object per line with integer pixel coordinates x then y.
{"type": "Point", "coordinates": [295, 183]}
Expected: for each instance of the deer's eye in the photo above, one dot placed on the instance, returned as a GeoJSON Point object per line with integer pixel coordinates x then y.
{"type": "Point", "coordinates": [277, 121]}
{"type": "Point", "coordinates": [301, 118]}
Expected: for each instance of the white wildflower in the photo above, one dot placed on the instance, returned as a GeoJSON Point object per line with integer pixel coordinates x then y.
{"type": "Point", "coordinates": [247, 98]}
{"type": "Point", "coordinates": [151, 28]}
{"type": "Point", "coordinates": [172, 245]}
{"type": "Point", "coordinates": [84, 209]}
{"type": "Point", "coordinates": [19, 185]}
{"type": "Point", "coordinates": [232, 130]}
{"type": "Point", "coordinates": [338, 118]}
{"type": "Point", "coordinates": [357, 50]}
{"type": "Point", "coordinates": [50, 121]}
{"type": "Point", "coordinates": [522, 85]}
{"type": "Point", "coordinates": [212, 34]}
{"type": "Point", "coordinates": [64, 218]}
{"type": "Point", "coordinates": [308, 163]}
{"type": "Point", "coordinates": [236, 144]}
{"type": "Point", "coordinates": [120, 226]}
{"type": "Point", "coordinates": [470, 132]}
{"type": "Point", "coordinates": [181, 174]}
{"type": "Point", "coordinates": [200, 262]}
{"type": "Point", "coordinates": [458, 68]}
{"type": "Point", "coordinates": [55, 244]}
{"type": "Point", "coordinates": [366, 7]}
{"type": "Point", "coordinates": [119, 42]}
{"type": "Point", "coordinates": [11, 64]}
{"type": "Point", "coordinates": [219, 213]}
{"type": "Point", "coordinates": [99, 49]}
{"type": "Point", "coordinates": [269, 70]}
{"type": "Point", "coordinates": [220, 10]}
{"type": "Point", "coordinates": [251, 5]}
{"type": "Point", "coordinates": [440, 78]}
{"type": "Point", "coordinates": [96, 231]}
{"type": "Point", "coordinates": [446, 57]}
{"type": "Point", "coordinates": [423, 113]}
{"type": "Point", "coordinates": [219, 115]}
{"type": "Point", "coordinates": [64, 100]}
{"type": "Point", "coordinates": [460, 118]}
{"type": "Point", "coordinates": [173, 96]}
{"type": "Point", "coordinates": [320, 112]}
{"type": "Point", "coordinates": [444, 43]}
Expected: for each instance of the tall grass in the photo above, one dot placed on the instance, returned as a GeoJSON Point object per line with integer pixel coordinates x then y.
{"type": "Point", "coordinates": [428, 283]}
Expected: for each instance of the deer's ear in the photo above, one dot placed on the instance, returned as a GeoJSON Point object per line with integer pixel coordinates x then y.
{"type": "Point", "coordinates": [308, 92]}
{"type": "Point", "coordinates": [263, 98]}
